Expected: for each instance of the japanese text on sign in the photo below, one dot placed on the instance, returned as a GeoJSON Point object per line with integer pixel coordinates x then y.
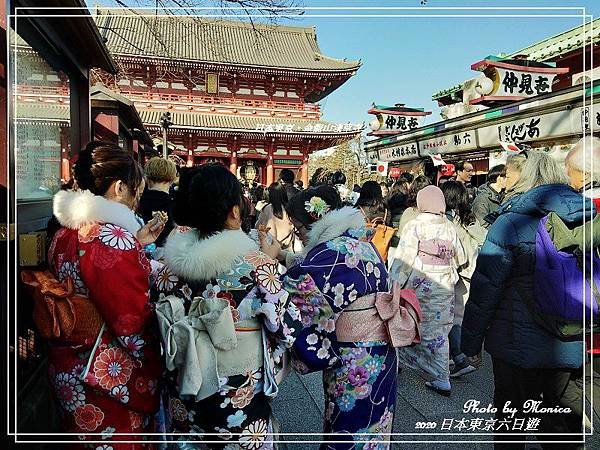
{"type": "Point", "coordinates": [390, 154]}
{"type": "Point", "coordinates": [400, 123]}
{"type": "Point", "coordinates": [523, 84]}
{"type": "Point", "coordinates": [518, 132]}
{"type": "Point", "coordinates": [459, 140]}
{"type": "Point", "coordinates": [310, 128]}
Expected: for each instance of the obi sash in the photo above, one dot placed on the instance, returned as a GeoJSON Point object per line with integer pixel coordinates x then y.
{"type": "Point", "coordinates": [389, 317]}
{"type": "Point", "coordinates": [436, 252]}
{"type": "Point", "coordinates": [205, 344]}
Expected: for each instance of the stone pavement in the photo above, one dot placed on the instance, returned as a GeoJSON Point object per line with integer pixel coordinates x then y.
{"type": "Point", "coordinates": [300, 404]}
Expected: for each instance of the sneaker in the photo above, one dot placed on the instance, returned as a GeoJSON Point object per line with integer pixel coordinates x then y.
{"type": "Point", "coordinates": [438, 389]}
{"type": "Point", "coordinates": [461, 369]}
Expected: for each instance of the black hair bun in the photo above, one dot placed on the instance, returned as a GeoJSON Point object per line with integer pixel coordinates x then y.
{"type": "Point", "coordinates": [82, 170]}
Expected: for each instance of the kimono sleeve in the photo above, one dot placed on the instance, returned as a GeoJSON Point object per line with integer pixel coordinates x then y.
{"type": "Point", "coordinates": [314, 347]}
{"type": "Point", "coordinates": [405, 254]}
{"type": "Point", "coordinates": [116, 273]}
{"type": "Point", "coordinates": [269, 302]}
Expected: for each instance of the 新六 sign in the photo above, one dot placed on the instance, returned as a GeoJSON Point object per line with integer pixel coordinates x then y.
{"type": "Point", "coordinates": [457, 142]}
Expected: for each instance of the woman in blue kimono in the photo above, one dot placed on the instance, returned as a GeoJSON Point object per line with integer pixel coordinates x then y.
{"type": "Point", "coordinates": [334, 283]}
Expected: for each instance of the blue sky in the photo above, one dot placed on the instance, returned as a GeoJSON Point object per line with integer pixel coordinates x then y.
{"type": "Point", "coordinates": [407, 59]}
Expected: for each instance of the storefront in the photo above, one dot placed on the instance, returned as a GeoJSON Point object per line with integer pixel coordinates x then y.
{"type": "Point", "coordinates": [553, 121]}
{"type": "Point", "coordinates": [50, 57]}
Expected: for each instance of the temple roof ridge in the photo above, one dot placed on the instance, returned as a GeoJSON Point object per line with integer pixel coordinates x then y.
{"type": "Point", "coordinates": [217, 41]}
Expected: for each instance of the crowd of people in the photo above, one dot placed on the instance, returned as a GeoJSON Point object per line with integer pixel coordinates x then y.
{"type": "Point", "coordinates": [205, 308]}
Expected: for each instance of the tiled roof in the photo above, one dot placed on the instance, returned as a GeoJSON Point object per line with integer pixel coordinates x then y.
{"type": "Point", "coordinates": [217, 41]}
{"type": "Point", "coordinates": [41, 111]}
{"type": "Point", "coordinates": [236, 122]}
{"type": "Point", "coordinates": [550, 48]}
{"type": "Point", "coordinates": [562, 43]}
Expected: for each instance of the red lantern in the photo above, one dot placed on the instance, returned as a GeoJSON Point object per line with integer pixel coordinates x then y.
{"type": "Point", "coordinates": [395, 172]}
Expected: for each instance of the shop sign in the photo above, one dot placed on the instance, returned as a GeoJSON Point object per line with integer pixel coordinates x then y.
{"type": "Point", "coordinates": [535, 128]}
{"type": "Point", "coordinates": [372, 157]}
{"type": "Point", "coordinates": [402, 152]}
{"type": "Point", "coordinates": [515, 83]}
{"type": "Point", "coordinates": [398, 123]}
{"type": "Point", "coordinates": [449, 143]}
{"type": "Point", "coordinates": [590, 118]}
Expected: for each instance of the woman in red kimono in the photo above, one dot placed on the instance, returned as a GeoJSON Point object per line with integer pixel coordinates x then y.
{"type": "Point", "coordinates": [107, 382]}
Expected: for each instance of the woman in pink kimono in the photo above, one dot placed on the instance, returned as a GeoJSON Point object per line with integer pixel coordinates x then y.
{"type": "Point", "coordinates": [427, 259]}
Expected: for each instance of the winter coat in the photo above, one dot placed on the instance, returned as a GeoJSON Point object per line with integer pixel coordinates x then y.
{"type": "Point", "coordinates": [503, 283]}
{"type": "Point", "coordinates": [487, 201]}
{"type": "Point", "coordinates": [152, 201]}
{"type": "Point", "coordinates": [110, 378]}
{"type": "Point", "coordinates": [396, 205]}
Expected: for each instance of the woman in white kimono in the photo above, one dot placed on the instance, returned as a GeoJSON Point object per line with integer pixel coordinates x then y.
{"type": "Point", "coordinates": [426, 260]}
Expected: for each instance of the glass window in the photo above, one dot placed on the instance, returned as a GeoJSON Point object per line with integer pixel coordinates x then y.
{"type": "Point", "coordinates": [42, 125]}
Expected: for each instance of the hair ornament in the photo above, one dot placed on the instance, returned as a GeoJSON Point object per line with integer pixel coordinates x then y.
{"type": "Point", "coordinates": [316, 207]}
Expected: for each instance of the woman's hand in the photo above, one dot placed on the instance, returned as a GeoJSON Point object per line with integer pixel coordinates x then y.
{"type": "Point", "coordinates": [150, 232]}
{"type": "Point", "coordinates": [273, 249]}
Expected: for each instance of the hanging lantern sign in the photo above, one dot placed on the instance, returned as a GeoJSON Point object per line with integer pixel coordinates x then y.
{"type": "Point", "coordinates": [395, 119]}
{"type": "Point", "coordinates": [395, 172]}
{"type": "Point", "coordinates": [513, 79]}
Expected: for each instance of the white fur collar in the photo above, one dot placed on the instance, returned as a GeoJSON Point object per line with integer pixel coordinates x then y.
{"type": "Point", "coordinates": [74, 209]}
{"type": "Point", "coordinates": [334, 224]}
{"type": "Point", "coordinates": [196, 259]}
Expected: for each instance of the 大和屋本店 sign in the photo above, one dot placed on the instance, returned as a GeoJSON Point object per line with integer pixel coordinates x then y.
{"type": "Point", "coordinates": [406, 151]}
{"type": "Point", "coordinates": [457, 142]}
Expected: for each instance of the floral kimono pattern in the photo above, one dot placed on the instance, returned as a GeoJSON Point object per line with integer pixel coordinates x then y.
{"type": "Point", "coordinates": [427, 259]}
{"type": "Point", "coordinates": [239, 415]}
{"type": "Point", "coordinates": [359, 378]}
{"type": "Point", "coordinates": [107, 383]}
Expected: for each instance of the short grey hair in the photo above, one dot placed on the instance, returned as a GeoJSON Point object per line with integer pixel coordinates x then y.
{"type": "Point", "coordinates": [538, 169]}
{"type": "Point", "coordinates": [515, 162]}
{"type": "Point", "coordinates": [586, 158]}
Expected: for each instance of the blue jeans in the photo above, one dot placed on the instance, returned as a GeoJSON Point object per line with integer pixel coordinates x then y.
{"type": "Point", "coordinates": [454, 341]}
